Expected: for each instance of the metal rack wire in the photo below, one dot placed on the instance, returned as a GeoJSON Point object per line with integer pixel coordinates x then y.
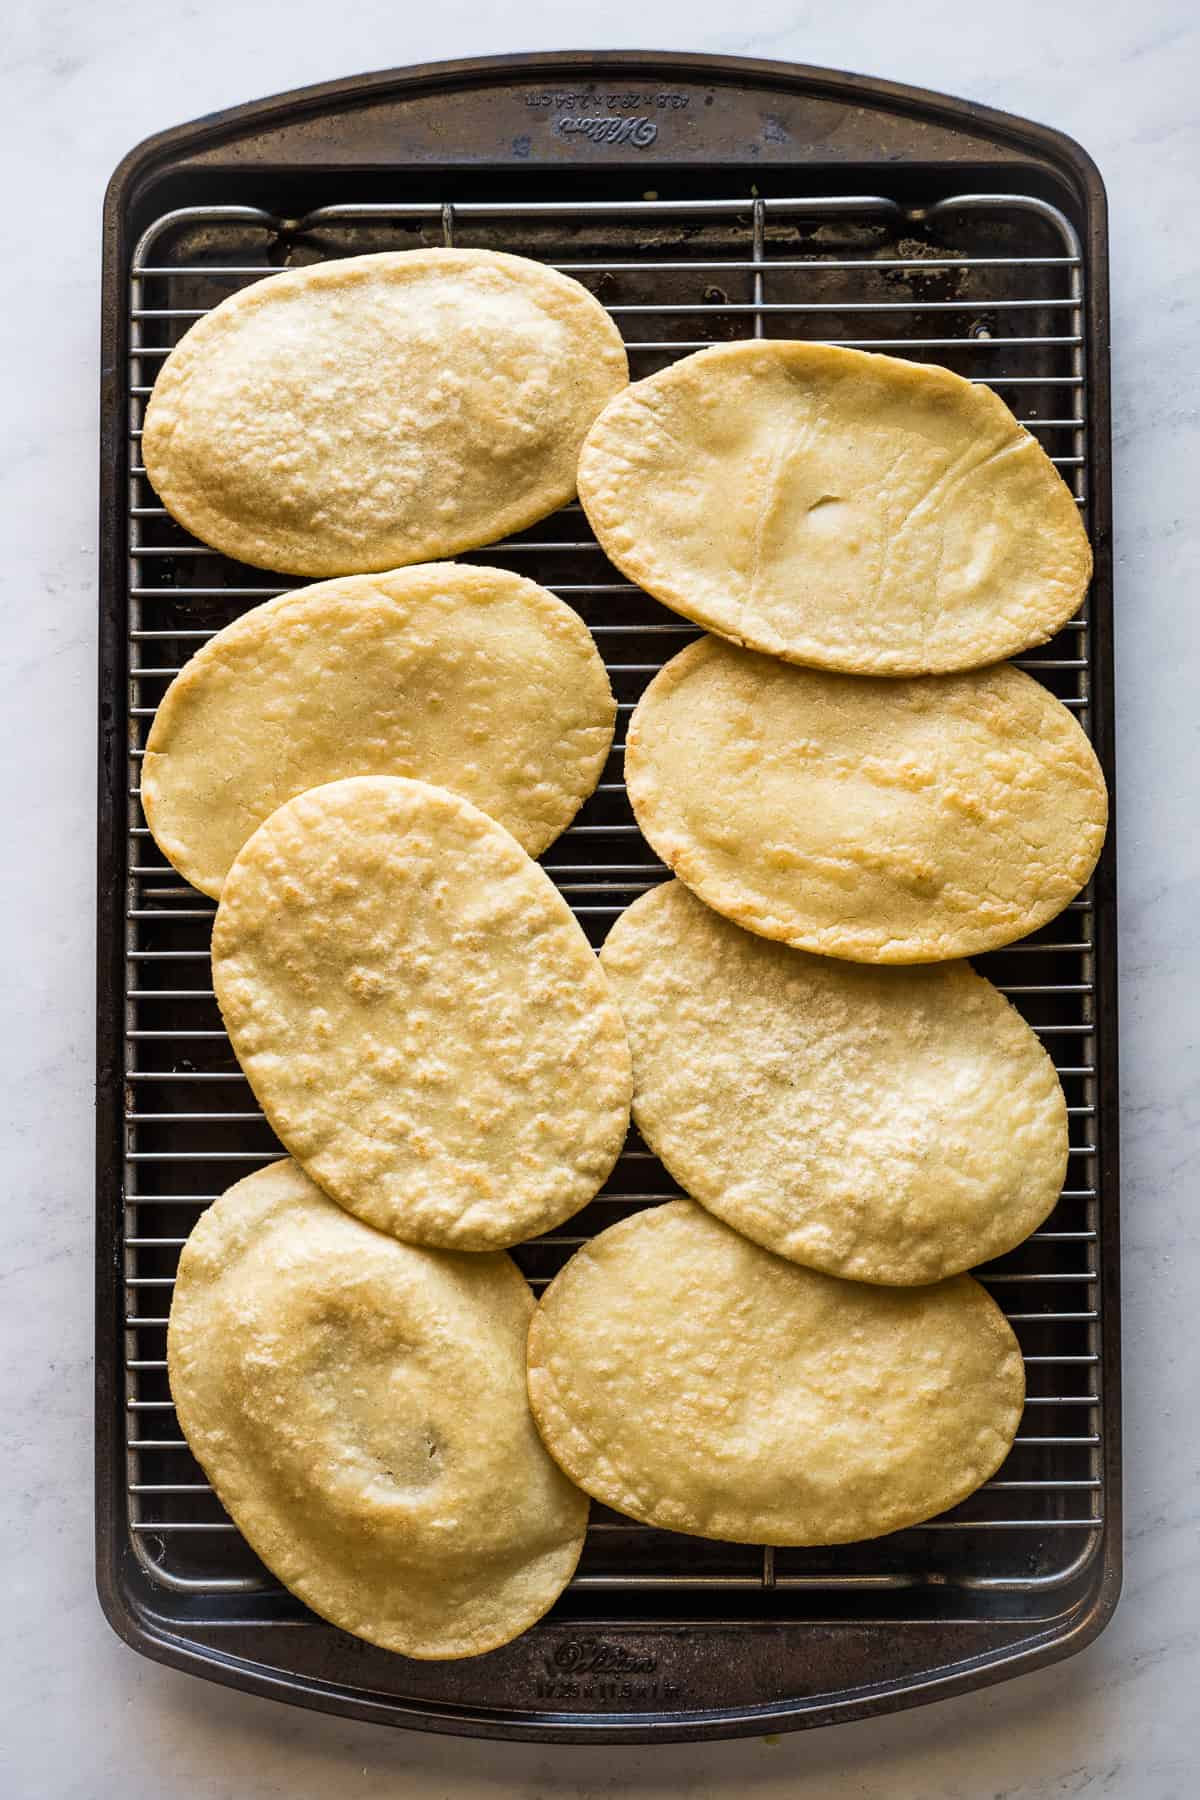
{"type": "Point", "coordinates": [991, 285]}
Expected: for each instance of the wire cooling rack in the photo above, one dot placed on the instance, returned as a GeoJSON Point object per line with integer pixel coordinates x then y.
{"type": "Point", "coordinates": [989, 285]}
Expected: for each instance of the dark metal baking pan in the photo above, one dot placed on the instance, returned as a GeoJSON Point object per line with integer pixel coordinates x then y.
{"type": "Point", "coordinates": [745, 198]}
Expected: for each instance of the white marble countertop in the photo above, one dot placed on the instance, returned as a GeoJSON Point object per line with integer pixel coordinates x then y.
{"type": "Point", "coordinates": [80, 1715]}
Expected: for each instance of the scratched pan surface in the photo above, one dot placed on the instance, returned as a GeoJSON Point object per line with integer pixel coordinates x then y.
{"type": "Point", "coordinates": [701, 201]}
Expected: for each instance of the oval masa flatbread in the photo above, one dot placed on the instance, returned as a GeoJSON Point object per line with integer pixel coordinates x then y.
{"type": "Point", "coordinates": [683, 1375]}
{"type": "Point", "coordinates": [836, 508]}
{"type": "Point", "coordinates": [878, 820]}
{"type": "Point", "coordinates": [884, 1125]}
{"type": "Point", "coordinates": [474, 679]}
{"type": "Point", "coordinates": [378, 410]}
{"type": "Point", "coordinates": [421, 1018]}
{"type": "Point", "coordinates": [360, 1408]}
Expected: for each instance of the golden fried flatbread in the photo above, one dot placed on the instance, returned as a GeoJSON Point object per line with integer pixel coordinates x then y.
{"type": "Point", "coordinates": [684, 1376]}
{"type": "Point", "coordinates": [843, 510]}
{"type": "Point", "coordinates": [878, 820]}
{"type": "Point", "coordinates": [888, 1125]}
{"type": "Point", "coordinates": [421, 1018]}
{"type": "Point", "coordinates": [471, 678]}
{"type": "Point", "coordinates": [360, 1408]}
{"type": "Point", "coordinates": [379, 410]}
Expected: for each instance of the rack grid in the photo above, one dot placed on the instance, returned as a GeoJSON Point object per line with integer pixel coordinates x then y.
{"type": "Point", "coordinates": [991, 286]}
